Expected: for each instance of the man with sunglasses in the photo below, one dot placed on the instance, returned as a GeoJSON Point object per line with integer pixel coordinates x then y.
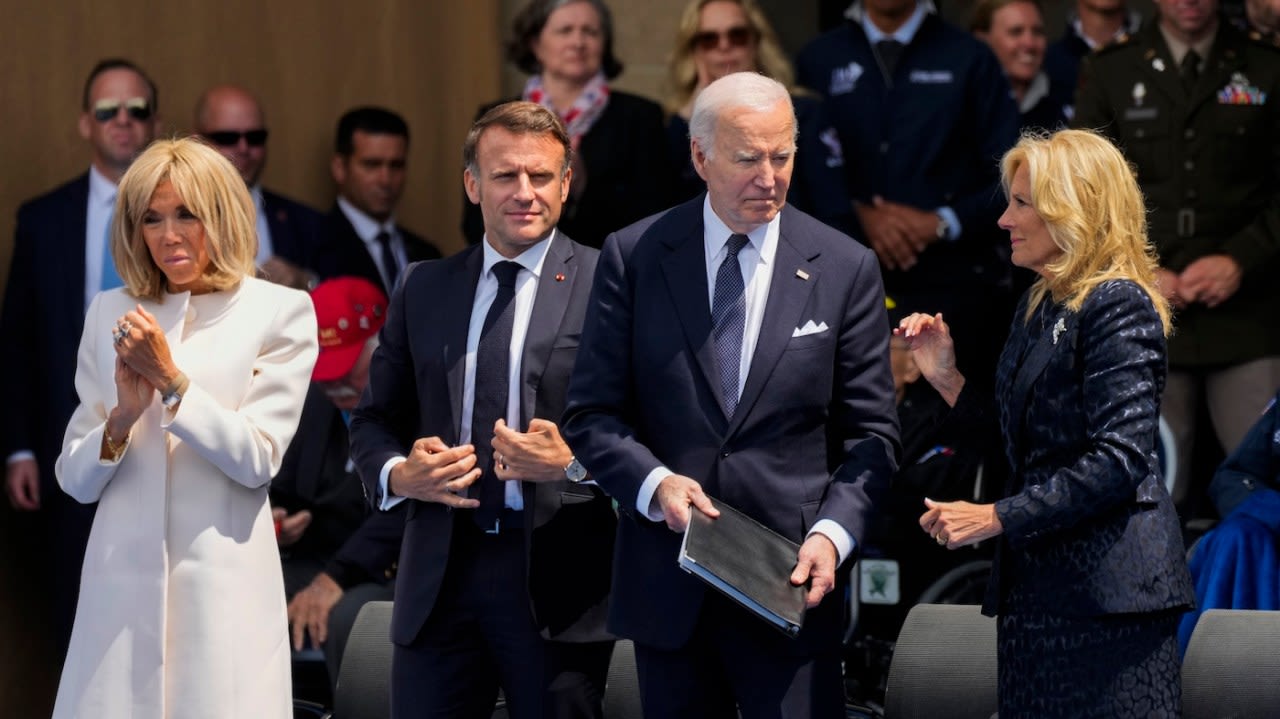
{"type": "Point", "coordinates": [231, 119]}
{"type": "Point", "coordinates": [60, 261]}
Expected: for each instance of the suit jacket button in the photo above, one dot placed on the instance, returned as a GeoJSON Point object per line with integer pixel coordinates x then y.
{"type": "Point", "coordinates": [724, 453]}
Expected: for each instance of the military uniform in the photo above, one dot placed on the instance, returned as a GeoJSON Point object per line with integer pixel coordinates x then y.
{"type": "Point", "coordinates": [1208, 161]}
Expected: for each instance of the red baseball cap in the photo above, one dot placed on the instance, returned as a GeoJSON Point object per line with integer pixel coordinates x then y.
{"type": "Point", "coordinates": [349, 310]}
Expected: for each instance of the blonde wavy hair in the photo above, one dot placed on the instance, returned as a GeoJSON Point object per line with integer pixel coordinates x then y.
{"type": "Point", "coordinates": [211, 189]}
{"type": "Point", "coordinates": [1088, 197]}
{"type": "Point", "coordinates": [682, 69]}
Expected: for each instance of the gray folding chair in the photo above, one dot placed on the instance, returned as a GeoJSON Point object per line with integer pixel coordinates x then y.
{"type": "Point", "coordinates": [1232, 666]}
{"type": "Point", "coordinates": [944, 665]}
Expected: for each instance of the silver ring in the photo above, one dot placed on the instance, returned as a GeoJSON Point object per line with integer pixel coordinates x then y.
{"type": "Point", "coordinates": [941, 542]}
{"type": "Point", "coordinates": [118, 335]}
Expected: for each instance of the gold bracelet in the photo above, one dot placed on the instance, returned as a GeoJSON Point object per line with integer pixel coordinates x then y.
{"type": "Point", "coordinates": [114, 449]}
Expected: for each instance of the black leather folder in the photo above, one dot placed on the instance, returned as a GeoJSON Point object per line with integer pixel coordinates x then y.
{"type": "Point", "coordinates": [747, 562]}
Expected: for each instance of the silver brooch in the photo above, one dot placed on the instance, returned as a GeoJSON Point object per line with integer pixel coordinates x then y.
{"type": "Point", "coordinates": [1058, 329]}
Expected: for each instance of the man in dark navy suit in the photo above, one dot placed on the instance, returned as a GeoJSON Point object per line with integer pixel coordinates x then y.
{"type": "Point", "coordinates": [504, 571]}
{"type": "Point", "coordinates": [335, 554]}
{"type": "Point", "coordinates": [737, 348]}
{"type": "Point", "coordinates": [61, 259]}
{"type": "Point", "coordinates": [361, 234]}
{"type": "Point", "coordinates": [924, 113]}
{"type": "Point", "coordinates": [232, 120]}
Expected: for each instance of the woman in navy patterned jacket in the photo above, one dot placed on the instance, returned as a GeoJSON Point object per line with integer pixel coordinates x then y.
{"type": "Point", "coordinates": [1089, 578]}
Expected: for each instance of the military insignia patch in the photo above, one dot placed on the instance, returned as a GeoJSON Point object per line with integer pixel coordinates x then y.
{"type": "Point", "coordinates": [1240, 92]}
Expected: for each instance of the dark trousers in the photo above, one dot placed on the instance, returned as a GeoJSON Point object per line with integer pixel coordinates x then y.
{"type": "Point", "coordinates": [736, 663]}
{"type": "Point", "coordinates": [481, 636]}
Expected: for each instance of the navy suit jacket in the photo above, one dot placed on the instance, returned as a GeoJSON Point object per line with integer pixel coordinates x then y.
{"type": "Point", "coordinates": [815, 433]}
{"type": "Point", "coordinates": [42, 321]}
{"type": "Point", "coordinates": [342, 252]}
{"type": "Point", "coordinates": [415, 390]}
{"type": "Point", "coordinates": [296, 230]}
{"type": "Point", "coordinates": [1088, 526]}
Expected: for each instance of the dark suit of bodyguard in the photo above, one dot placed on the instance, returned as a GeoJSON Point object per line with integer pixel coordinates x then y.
{"type": "Point", "coordinates": [1208, 162]}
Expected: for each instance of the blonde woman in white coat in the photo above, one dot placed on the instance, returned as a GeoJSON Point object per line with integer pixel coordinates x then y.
{"type": "Point", "coordinates": [191, 379]}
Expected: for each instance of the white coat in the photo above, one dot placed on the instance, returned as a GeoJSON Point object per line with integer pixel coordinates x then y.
{"type": "Point", "coordinates": [182, 610]}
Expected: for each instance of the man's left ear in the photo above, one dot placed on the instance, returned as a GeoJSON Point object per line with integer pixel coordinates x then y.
{"type": "Point", "coordinates": [338, 168]}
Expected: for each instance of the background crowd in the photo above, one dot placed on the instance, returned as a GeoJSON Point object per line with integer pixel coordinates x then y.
{"type": "Point", "coordinates": [902, 116]}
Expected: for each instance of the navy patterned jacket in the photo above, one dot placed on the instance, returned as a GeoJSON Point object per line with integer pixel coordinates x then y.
{"type": "Point", "coordinates": [1088, 526]}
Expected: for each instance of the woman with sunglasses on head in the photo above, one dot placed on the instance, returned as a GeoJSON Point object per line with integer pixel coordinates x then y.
{"type": "Point", "coordinates": [719, 37]}
{"type": "Point", "coordinates": [191, 379]}
{"type": "Point", "coordinates": [620, 168]}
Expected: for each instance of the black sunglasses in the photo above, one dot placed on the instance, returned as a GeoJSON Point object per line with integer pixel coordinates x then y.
{"type": "Point", "coordinates": [138, 108]}
{"type": "Point", "coordinates": [229, 138]}
{"type": "Point", "coordinates": [710, 39]}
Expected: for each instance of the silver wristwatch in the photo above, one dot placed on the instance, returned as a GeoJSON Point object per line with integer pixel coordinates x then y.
{"type": "Point", "coordinates": [574, 471]}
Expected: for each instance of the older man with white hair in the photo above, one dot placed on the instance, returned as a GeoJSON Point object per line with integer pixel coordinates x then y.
{"type": "Point", "coordinates": [735, 348]}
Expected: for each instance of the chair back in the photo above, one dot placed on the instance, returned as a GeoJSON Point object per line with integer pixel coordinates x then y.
{"type": "Point", "coordinates": [944, 665]}
{"type": "Point", "coordinates": [1232, 664]}
{"type": "Point", "coordinates": [364, 680]}
{"type": "Point", "coordinates": [622, 688]}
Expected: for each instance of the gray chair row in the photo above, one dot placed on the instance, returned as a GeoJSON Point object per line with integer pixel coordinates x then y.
{"type": "Point", "coordinates": [944, 665]}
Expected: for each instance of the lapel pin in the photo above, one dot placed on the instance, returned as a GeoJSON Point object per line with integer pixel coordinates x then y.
{"type": "Point", "coordinates": [1058, 329]}
{"type": "Point", "coordinates": [802, 274]}
{"type": "Point", "coordinates": [1139, 92]}
{"type": "Point", "coordinates": [1158, 64]}
{"type": "Point", "coordinates": [559, 277]}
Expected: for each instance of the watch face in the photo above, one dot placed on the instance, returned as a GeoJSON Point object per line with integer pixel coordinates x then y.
{"type": "Point", "coordinates": [575, 472]}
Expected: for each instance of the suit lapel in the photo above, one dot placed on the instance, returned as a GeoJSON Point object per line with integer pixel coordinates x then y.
{"type": "Point", "coordinates": [1058, 334]}
{"type": "Point", "coordinates": [559, 272]}
{"type": "Point", "coordinates": [1223, 61]}
{"type": "Point", "coordinates": [788, 296]}
{"type": "Point", "coordinates": [76, 219]}
{"type": "Point", "coordinates": [1158, 67]}
{"type": "Point", "coordinates": [459, 292]}
{"type": "Point", "coordinates": [686, 275]}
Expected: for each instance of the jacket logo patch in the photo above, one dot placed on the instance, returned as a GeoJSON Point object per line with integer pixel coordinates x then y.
{"type": "Point", "coordinates": [844, 79]}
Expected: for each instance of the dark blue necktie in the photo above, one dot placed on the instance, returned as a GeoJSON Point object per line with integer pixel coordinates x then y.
{"type": "Point", "coordinates": [492, 379]}
{"type": "Point", "coordinates": [387, 258]}
{"type": "Point", "coordinates": [728, 318]}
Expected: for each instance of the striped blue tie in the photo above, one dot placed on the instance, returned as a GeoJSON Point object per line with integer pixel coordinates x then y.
{"type": "Point", "coordinates": [728, 319]}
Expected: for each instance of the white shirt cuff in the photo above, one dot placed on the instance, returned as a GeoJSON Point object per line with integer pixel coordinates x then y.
{"type": "Point", "coordinates": [838, 536]}
{"type": "Point", "coordinates": [20, 455]}
{"type": "Point", "coordinates": [647, 489]}
{"type": "Point", "coordinates": [953, 223]}
{"type": "Point", "coordinates": [384, 479]}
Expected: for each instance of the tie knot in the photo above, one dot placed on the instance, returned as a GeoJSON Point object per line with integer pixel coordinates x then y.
{"type": "Point", "coordinates": [506, 273]}
{"type": "Point", "coordinates": [1191, 64]}
{"type": "Point", "coordinates": [383, 238]}
{"type": "Point", "coordinates": [889, 45]}
{"type": "Point", "coordinates": [735, 244]}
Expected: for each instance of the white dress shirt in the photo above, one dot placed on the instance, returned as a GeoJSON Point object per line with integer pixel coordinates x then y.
{"type": "Point", "coordinates": [756, 259]}
{"type": "Point", "coordinates": [530, 261]}
{"type": "Point", "coordinates": [367, 229]}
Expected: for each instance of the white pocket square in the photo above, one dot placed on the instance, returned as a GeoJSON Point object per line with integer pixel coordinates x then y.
{"type": "Point", "coordinates": [809, 328]}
